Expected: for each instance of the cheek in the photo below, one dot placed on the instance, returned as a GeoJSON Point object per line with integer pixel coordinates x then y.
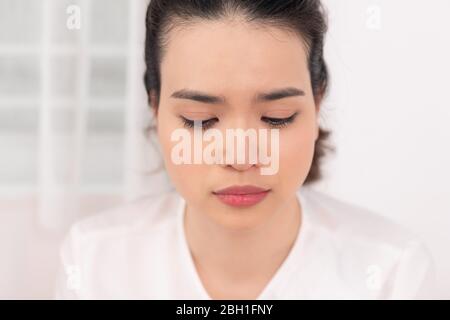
{"type": "Point", "coordinates": [185, 177]}
{"type": "Point", "coordinates": [189, 179]}
{"type": "Point", "coordinates": [296, 152]}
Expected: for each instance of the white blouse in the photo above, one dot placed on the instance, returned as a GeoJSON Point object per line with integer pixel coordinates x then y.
{"type": "Point", "coordinates": [342, 251]}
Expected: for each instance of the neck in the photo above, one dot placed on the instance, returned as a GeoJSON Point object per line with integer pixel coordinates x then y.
{"type": "Point", "coordinates": [244, 254]}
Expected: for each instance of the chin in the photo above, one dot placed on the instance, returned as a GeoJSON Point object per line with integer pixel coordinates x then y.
{"type": "Point", "coordinates": [239, 218]}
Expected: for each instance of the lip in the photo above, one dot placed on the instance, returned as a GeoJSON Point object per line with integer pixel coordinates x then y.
{"type": "Point", "coordinates": [242, 196]}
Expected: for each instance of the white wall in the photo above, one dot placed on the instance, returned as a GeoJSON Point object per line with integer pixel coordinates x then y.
{"type": "Point", "coordinates": [390, 111]}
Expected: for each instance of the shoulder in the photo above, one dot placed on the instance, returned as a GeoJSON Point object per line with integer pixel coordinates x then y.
{"type": "Point", "coordinates": [148, 211]}
{"type": "Point", "coordinates": [109, 252]}
{"type": "Point", "coordinates": [362, 243]}
{"type": "Point", "coordinates": [350, 222]}
{"type": "Point", "coordinates": [146, 218]}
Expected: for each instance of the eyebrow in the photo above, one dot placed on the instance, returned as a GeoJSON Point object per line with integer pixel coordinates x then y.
{"type": "Point", "coordinates": [260, 97]}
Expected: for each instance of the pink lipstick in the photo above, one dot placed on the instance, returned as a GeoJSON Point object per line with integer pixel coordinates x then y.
{"type": "Point", "coordinates": [241, 196]}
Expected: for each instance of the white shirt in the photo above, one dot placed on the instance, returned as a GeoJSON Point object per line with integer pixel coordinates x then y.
{"type": "Point", "coordinates": [342, 251]}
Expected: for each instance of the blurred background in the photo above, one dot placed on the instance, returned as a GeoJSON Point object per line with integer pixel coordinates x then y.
{"type": "Point", "coordinates": [73, 113]}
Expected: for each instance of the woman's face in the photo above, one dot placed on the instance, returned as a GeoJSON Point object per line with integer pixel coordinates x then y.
{"type": "Point", "coordinates": [237, 61]}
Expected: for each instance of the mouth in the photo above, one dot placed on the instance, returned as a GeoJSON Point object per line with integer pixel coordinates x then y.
{"type": "Point", "coordinates": [242, 196]}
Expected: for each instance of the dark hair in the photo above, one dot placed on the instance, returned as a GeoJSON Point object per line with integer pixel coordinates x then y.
{"type": "Point", "coordinates": [304, 17]}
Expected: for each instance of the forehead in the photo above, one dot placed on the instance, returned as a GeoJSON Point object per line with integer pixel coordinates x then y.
{"type": "Point", "coordinates": [234, 56]}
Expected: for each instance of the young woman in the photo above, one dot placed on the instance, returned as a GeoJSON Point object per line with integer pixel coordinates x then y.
{"type": "Point", "coordinates": [227, 231]}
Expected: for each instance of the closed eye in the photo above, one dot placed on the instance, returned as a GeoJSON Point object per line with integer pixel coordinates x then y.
{"type": "Point", "coordinates": [279, 122]}
{"type": "Point", "coordinates": [205, 124]}
{"type": "Point", "coordinates": [208, 123]}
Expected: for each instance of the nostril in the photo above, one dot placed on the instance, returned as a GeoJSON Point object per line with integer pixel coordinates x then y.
{"type": "Point", "coordinates": [241, 167]}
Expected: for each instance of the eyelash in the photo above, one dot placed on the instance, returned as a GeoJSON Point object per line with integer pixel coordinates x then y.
{"type": "Point", "coordinates": [273, 122]}
{"type": "Point", "coordinates": [280, 122]}
{"type": "Point", "coordinates": [206, 124]}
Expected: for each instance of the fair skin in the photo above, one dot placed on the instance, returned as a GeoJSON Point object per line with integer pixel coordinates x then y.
{"type": "Point", "coordinates": [237, 251]}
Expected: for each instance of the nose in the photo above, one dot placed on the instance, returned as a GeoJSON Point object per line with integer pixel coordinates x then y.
{"type": "Point", "coordinates": [241, 158]}
{"type": "Point", "coordinates": [241, 167]}
{"type": "Point", "coordinates": [233, 160]}
{"type": "Point", "coordinates": [242, 152]}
